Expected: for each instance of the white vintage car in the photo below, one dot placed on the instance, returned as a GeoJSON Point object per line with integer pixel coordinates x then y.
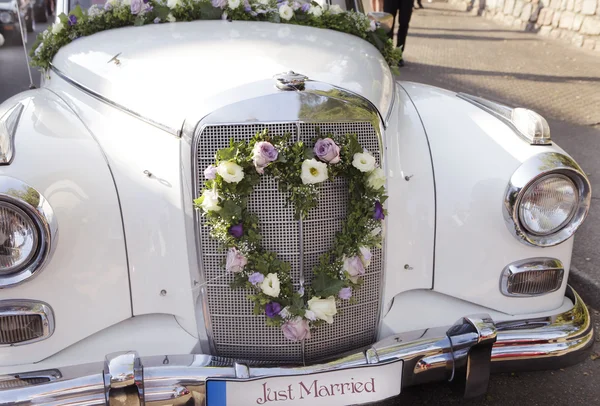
{"type": "Point", "coordinates": [118, 286]}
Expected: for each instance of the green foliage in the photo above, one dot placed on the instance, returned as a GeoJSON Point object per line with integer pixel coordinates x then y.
{"type": "Point", "coordinates": [357, 229]}
{"type": "Point", "coordinates": [117, 15]}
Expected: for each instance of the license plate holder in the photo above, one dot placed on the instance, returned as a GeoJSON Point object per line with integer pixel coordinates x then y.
{"type": "Point", "coordinates": [341, 387]}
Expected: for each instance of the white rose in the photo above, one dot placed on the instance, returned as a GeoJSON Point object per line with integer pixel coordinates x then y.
{"type": "Point", "coordinates": [233, 4]}
{"type": "Point", "coordinates": [210, 201]}
{"type": "Point", "coordinates": [57, 27]}
{"type": "Point", "coordinates": [171, 18]}
{"type": "Point", "coordinates": [317, 11]}
{"type": "Point", "coordinates": [365, 256]}
{"type": "Point", "coordinates": [236, 261]}
{"type": "Point", "coordinates": [376, 179]}
{"type": "Point", "coordinates": [372, 26]}
{"type": "Point", "coordinates": [286, 12]}
{"type": "Point", "coordinates": [230, 172]}
{"type": "Point", "coordinates": [313, 171]}
{"type": "Point", "coordinates": [324, 309]}
{"type": "Point", "coordinates": [263, 2]}
{"type": "Point", "coordinates": [363, 161]}
{"type": "Point", "coordinates": [335, 9]}
{"type": "Point", "coordinates": [270, 285]}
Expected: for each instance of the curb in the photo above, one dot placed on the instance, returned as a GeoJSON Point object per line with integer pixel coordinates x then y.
{"type": "Point", "coordinates": [586, 287]}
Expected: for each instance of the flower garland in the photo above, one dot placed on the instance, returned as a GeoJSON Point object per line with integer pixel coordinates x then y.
{"type": "Point", "coordinates": [123, 13]}
{"type": "Point", "coordinates": [299, 170]}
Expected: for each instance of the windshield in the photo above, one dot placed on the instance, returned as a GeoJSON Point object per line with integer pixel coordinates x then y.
{"type": "Point", "coordinates": [84, 4]}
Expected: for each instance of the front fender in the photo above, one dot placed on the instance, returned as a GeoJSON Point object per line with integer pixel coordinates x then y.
{"type": "Point", "coordinates": [474, 155]}
{"type": "Point", "coordinates": [85, 281]}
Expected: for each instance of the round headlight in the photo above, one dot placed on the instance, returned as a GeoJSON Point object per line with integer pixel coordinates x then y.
{"type": "Point", "coordinates": [19, 238]}
{"type": "Point", "coordinates": [548, 205]}
{"type": "Point", "coordinates": [6, 17]}
{"type": "Point", "coordinates": [546, 200]}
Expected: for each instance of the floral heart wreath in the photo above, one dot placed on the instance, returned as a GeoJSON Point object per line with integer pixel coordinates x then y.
{"type": "Point", "coordinates": [299, 169]}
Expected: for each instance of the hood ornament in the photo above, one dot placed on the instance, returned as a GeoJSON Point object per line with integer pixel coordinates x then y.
{"type": "Point", "coordinates": [290, 81]}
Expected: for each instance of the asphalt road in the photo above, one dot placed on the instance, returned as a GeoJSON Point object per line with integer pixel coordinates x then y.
{"type": "Point", "coordinates": [572, 386]}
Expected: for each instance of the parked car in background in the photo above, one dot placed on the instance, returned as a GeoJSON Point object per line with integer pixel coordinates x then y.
{"type": "Point", "coordinates": [9, 21]}
{"type": "Point", "coordinates": [203, 205]}
{"type": "Point", "coordinates": [42, 9]}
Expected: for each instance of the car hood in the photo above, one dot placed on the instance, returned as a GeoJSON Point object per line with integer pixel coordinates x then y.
{"type": "Point", "coordinates": [169, 72]}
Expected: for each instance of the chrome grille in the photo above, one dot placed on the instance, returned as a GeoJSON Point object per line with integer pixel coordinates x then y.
{"type": "Point", "coordinates": [236, 332]}
{"type": "Point", "coordinates": [20, 328]}
{"type": "Point", "coordinates": [535, 282]}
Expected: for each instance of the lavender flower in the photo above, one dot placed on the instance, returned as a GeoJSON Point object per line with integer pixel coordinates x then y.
{"type": "Point", "coordinates": [272, 309]}
{"type": "Point", "coordinates": [136, 6]}
{"type": "Point", "coordinates": [263, 154]}
{"type": "Point", "coordinates": [305, 7]}
{"type": "Point", "coordinates": [237, 231]}
{"type": "Point", "coordinates": [156, 21]}
{"type": "Point", "coordinates": [247, 8]}
{"type": "Point", "coordinates": [345, 293]}
{"type": "Point", "coordinates": [72, 20]}
{"type": "Point", "coordinates": [256, 278]}
{"type": "Point", "coordinates": [295, 6]}
{"type": "Point", "coordinates": [211, 171]}
{"type": "Point", "coordinates": [146, 1]}
{"type": "Point", "coordinates": [378, 214]}
{"type": "Point", "coordinates": [296, 329]}
{"type": "Point", "coordinates": [219, 3]}
{"type": "Point", "coordinates": [108, 6]}
{"type": "Point", "coordinates": [327, 150]}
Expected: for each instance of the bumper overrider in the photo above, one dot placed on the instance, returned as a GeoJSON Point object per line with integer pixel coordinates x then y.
{"type": "Point", "coordinates": [464, 354]}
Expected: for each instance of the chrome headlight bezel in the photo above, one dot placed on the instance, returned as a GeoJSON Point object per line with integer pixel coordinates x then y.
{"type": "Point", "coordinates": [34, 205]}
{"type": "Point", "coordinates": [530, 172]}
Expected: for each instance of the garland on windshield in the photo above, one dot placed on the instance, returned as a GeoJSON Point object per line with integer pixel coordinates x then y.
{"type": "Point", "coordinates": [123, 13]}
{"type": "Point", "coordinates": [299, 169]}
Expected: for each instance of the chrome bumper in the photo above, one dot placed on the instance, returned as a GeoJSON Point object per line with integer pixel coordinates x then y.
{"type": "Point", "coordinates": [463, 354]}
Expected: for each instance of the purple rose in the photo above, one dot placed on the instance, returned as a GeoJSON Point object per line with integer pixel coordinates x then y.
{"type": "Point", "coordinates": [272, 309]}
{"type": "Point", "coordinates": [237, 231]}
{"type": "Point", "coordinates": [306, 7]}
{"type": "Point", "coordinates": [354, 267]}
{"type": "Point", "coordinates": [136, 6]}
{"type": "Point", "coordinates": [256, 278]}
{"type": "Point", "coordinates": [378, 214]}
{"type": "Point", "coordinates": [236, 261]}
{"type": "Point", "coordinates": [219, 3]}
{"type": "Point", "coordinates": [327, 150]}
{"type": "Point", "coordinates": [345, 293]}
{"type": "Point", "coordinates": [72, 20]}
{"type": "Point", "coordinates": [247, 9]}
{"type": "Point", "coordinates": [263, 154]}
{"type": "Point", "coordinates": [295, 6]}
{"type": "Point", "coordinates": [296, 329]}
{"type": "Point", "coordinates": [146, 1]}
{"type": "Point", "coordinates": [211, 171]}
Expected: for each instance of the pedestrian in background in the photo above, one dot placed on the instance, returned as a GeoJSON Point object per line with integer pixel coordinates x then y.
{"type": "Point", "coordinates": [404, 10]}
{"type": "Point", "coordinates": [376, 5]}
{"type": "Point", "coordinates": [419, 4]}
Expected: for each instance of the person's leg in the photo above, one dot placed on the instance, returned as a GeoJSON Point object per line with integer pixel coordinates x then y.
{"type": "Point", "coordinates": [406, 8]}
{"type": "Point", "coordinates": [391, 6]}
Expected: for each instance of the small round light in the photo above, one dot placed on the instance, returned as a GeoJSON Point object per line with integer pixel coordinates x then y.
{"type": "Point", "coordinates": [18, 238]}
{"type": "Point", "coordinates": [549, 204]}
{"type": "Point", "coordinates": [6, 17]}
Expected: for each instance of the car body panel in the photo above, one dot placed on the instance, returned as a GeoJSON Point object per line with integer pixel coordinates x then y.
{"type": "Point", "coordinates": [474, 155]}
{"type": "Point", "coordinates": [86, 280]}
{"type": "Point", "coordinates": [164, 72]}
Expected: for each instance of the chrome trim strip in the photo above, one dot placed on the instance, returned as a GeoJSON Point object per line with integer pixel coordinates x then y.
{"type": "Point", "coordinates": [20, 307]}
{"type": "Point", "coordinates": [37, 207]}
{"type": "Point", "coordinates": [111, 103]}
{"type": "Point", "coordinates": [436, 354]}
{"type": "Point", "coordinates": [529, 265]}
{"type": "Point", "coordinates": [10, 121]}
{"type": "Point", "coordinates": [527, 174]}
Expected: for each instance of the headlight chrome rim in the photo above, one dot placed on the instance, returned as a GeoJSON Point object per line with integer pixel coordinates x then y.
{"type": "Point", "coordinates": [34, 205]}
{"type": "Point", "coordinates": [533, 170]}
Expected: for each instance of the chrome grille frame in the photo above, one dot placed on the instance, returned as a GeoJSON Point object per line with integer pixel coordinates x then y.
{"type": "Point", "coordinates": [236, 115]}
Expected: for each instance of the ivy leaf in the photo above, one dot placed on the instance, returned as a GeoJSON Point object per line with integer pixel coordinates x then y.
{"type": "Point", "coordinates": [325, 285]}
{"type": "Point", "coordinates": [230, 211]}
{"type": "Point", "coordinates": [353, 145]}
{"type": "Point", "coordinates": [77, 12]}
{"type": "Point", "coordinates": [226, 154]}
{"type": "Point", "coordinates": [162, 12]}
{"type": "Point", "coordinates": [309, 153]}
{"type": "Point", "coordinates": [63, 18]}
{"type": "Point", "coordinates": [139, 20]}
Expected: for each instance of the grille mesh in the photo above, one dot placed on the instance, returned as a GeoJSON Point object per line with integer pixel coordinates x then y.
{"type": "Point", "coordinates": [19, 328]}
{"type": "Point", "coordinates": [535, 282]}
{"type": "Point", "coordinates": [237, 333]}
